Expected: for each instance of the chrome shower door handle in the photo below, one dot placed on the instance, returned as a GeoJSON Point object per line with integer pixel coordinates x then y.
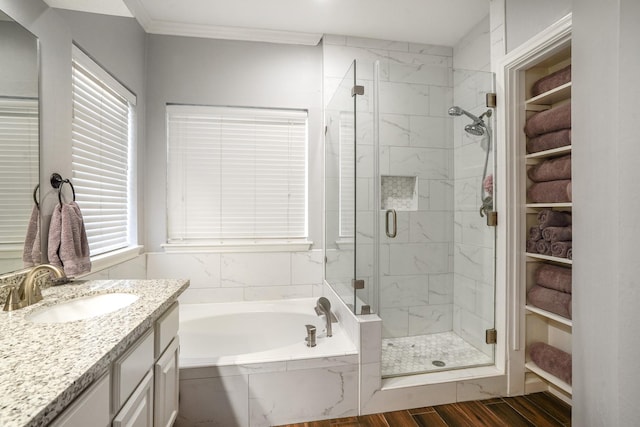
{"type": "Point", "coordinates": [391, 213]}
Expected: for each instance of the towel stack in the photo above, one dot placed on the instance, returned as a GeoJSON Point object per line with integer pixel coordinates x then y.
{"type": "Point", "coordinates": [552, 235]}
{"type": "Point", "coordinates": [552, 360]}
{"type": "Point", "coordinates": [552, 290]}
{"type": "Point", "coordinates": [552, 128]}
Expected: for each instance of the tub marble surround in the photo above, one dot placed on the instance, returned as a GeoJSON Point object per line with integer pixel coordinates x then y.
{"type": "Point", "coordinates": [46, 366]}
{"type": "Point", "coordinates": [293, 383]}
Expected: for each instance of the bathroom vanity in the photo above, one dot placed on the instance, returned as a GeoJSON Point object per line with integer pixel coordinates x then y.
{"type": "Point", "coordinates": [118, 368]}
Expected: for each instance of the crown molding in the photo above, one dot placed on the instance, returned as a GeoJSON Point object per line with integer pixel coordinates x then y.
{"type": "Point", "coordinates": [152, 26]}
{"type": "Point", "coordinates": [232, 33]}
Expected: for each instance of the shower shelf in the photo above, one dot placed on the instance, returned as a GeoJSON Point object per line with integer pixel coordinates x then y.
{"type": "Point", "coordinates": [549, 153]}
{"type": "Point", "coordinates": [548, 315]}
{"type": "Point", "coordinates": [548, 377]}
{"type": "Point", "coordinates": [545, 100]}
{"type": "Point", "coordinates": [549, 258]}
{"type": "Point", "coordinates": [549, 205]}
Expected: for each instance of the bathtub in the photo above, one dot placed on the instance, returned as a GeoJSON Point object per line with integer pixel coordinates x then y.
{"type": "Point", "coordinates": [247, 364]}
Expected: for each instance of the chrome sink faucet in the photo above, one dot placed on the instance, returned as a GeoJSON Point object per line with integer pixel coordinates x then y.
{"type": "Point", "coordinates": [323, 306]}
{"type": "Point", "coordinates": [29, 292]}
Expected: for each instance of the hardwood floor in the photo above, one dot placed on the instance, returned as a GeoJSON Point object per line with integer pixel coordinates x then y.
{"type": "Point", "coordinates": [534, 410]}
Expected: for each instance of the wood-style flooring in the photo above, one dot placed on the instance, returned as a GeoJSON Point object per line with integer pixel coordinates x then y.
{"type": "Point", "coordinates": [535, 410]}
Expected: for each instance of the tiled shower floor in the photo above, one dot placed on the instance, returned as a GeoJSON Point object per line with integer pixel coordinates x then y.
{"type": "Point", "coordinates": [410, 355]}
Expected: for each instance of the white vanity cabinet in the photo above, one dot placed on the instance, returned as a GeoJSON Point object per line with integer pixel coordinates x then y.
{"type": "Point", "coordinates": [91, 408]}
{"type": "Point", "coordinates": [141, 386]}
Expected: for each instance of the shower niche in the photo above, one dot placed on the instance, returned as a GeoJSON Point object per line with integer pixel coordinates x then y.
{"type": "Point", "coordinates": [399, 193]}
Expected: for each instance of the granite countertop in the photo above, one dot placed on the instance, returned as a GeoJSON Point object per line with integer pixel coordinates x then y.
{"type": "Point", "coordinates": [45, 366]}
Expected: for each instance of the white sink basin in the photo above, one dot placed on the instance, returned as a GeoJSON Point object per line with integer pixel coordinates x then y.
{"type": "Point", "coordinates": [82, 308]}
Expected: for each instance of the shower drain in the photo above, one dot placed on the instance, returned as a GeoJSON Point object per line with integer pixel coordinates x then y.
{"type": "Point", "coordinates": [438, 363]}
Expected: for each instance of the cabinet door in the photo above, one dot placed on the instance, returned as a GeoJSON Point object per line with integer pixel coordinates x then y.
{"type": "Point", "coordinates": [90, 408]}
{"type": "Point", "coordinates": [166, 386]}
{"type": "Point", "coordinates": [138, 411]}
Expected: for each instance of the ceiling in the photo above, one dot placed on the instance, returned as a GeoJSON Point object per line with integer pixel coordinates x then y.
{"type": "Point", "coordinates": [440, 22]}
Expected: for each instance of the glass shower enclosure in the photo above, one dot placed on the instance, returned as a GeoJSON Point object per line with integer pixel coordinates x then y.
{"type": "Point", "coordinates": [408, 189]}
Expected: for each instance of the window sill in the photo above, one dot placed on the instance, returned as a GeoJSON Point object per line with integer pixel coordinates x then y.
{"type": "Point", "coordinates": [104, 261]}
{"type": "Point", "coordinates": [239, 246]}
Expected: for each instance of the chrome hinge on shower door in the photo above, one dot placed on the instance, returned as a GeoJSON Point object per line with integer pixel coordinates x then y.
{"type": "Point", "coordinates": [491, 336]}
{"type": "Point", "coordinates": [357, 283]}
{"type": "Point", "coordinates": [357, 90]}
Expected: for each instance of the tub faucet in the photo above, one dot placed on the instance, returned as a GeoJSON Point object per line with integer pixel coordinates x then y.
{"type": "Point", "coordinates": [323, 306]}
{"type": "Point", "coordinates": [29, 292]}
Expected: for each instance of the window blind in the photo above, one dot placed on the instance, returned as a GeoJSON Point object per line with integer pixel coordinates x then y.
{"type": "Point", "coordinates": [101, 125]}
{"type": "Point", "coordinates": [19, 172]}
{"type": "Point", "coordinates": [347, 174]}
{"type": "Point", "coordinates": [236, 173]}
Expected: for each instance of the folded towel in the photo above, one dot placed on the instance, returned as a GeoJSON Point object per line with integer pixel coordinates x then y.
{"type": "Point", "coordinates": [531, 246]}
{"type": "Point", "coordinates": [551, 81]}
{"type": "Point", "coordinates": [554, 277]}
{"type": "Point", "coordinates": [549, 218]}
{"type": "Point", "coordinates": [550, 300]}
{"type": "Point", "coordinates": [559, 249]}
{"type": "Point", "coordinates": [557, 234]}
{"type": "Point", "coordinates": [543, 247]}
{"type": "Point", "coordinates": [32, 253]}
{"type": "Point", "coordinates": [570, 253]}
{"type": "Point", "coordinates": [552, 360]}
{"type": "Point", "coordinates": [549, 121]}
{"type": "Point", "coordinates": [535, 232]}
{"type": "Point", "coordinates": [549, 141]}
{"type": "Point", "coordinates": [550, 191]}
{"type": "Point", "coordinates": [68, 245]}
{"type": "Point", "coordinates": [551, 170]}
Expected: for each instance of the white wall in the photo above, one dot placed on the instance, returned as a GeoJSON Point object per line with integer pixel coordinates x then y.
{"type": "Point", "coordinates": [526, 18]}
{"type": "Point", "coordinates": [98, 34]}
{"type": "Point", "coordinates": [217, 72]}
{"type": "Point", "coordinates": [606, 271]}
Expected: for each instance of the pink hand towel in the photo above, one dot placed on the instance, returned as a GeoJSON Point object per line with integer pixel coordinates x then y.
{"type": "Point", "coordinates": [552, 360]}
{"type": "Point", "coordinates": [554, 277]}
{"type": "Point", "coordinates": [32, 253]}
{"type": "Point", "coordinates": [549, 141]}
{"type": "Point", "coordinates": [551, 81]}
{"type": "Point", "coordinates": [70, 247]}
{"type": "Point", "coordinates": [551, 169]}
{"type": "Point", "coordinates": [547, 121]}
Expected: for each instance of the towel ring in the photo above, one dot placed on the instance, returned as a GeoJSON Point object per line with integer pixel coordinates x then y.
{"type": "Point", "coordinates": [57, 182]}
{"type": "Point", "coordinates": [35, 195]}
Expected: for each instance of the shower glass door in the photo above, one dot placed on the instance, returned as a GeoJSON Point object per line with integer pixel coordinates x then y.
{"type": "Point", "coordinates": [436, 253]}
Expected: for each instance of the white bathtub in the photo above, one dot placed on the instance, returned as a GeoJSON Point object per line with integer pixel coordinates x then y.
{"type": "Point", "coordinates": [247, 365]}
{"type": "Point", "coordinates": [247, 332]}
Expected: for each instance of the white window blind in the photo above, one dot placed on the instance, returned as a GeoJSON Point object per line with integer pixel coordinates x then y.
{"type": "Point", "coordinates": [18, 168]}
{"type": "Point", "coordinates": [347, 174]}
{"type": "Point", "coordinates": [102, 131]}
{"type": "Point", "coordinates": [236, 173]}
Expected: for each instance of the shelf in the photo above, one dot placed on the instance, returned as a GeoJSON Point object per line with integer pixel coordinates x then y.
{"type": "Point", "coordinates": [550, 258]}
{"type": "Point", "coordinates": [549, 315]}
{"type": "Point", "coordinates": [548, 98]}
{"type": "Point", "coordinates": [549, 205]}
{"type": "Point", "coordinates": [549, 153]}
{"type": "Point", "coordinates": [548, 377]}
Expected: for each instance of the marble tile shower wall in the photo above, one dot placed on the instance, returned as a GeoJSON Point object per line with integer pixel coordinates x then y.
{"type": "Point", "coordinates": [473, 261]}
{"type": "Point", "coordinates": [416, 293]}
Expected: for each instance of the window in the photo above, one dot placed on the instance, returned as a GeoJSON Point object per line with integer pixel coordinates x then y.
{"type": "Point", "coordinates": [18, 168]}
{"type": "Point", "coordinates": [236, 174]}
{"type": "Point", "coordinates": [103, 112]}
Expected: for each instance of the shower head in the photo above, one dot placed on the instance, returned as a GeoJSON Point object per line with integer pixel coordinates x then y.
{"type": "Point", "coordinates": [478, 126]}
{"type": "Point", "coordinates": [457, 111]}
